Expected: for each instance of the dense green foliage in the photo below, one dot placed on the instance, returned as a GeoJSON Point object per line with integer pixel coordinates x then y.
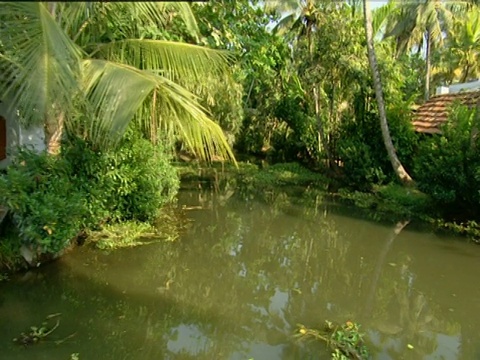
{"type": "Point", "coordinates": [448, 165]}
{"type": "Point", "coordinates": [298, 88]}
{"type": "Point", "coordinates": [54, 199]}
{"type": "Point", "coordinates": [361, 149]}
{"type": "Point", "coordinates": [47, 208]}
{"type": "Point", "coordinates": [132, 182]}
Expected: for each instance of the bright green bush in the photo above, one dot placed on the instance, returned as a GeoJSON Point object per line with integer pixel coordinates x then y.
{"type": "Point", "coordinates": [53, 198]}
{"type": "Point", "coordinates": [47, 208]}
{"type": "Point", "coordinates": [448, 165]}
{"type": "Point", "coordinates": [131, 182]}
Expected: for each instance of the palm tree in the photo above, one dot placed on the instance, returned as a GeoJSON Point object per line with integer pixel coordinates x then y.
{"type": "Point", "coordinates": [422, 24]}
{"type": "Point", "coordinates": [372, 58]}
{"type": "Point", "coordinates": [302, 19]}
{"type": "Point", "coordinates": [86, 67]}
{"type": "Point", "coordinates": [465, 44]}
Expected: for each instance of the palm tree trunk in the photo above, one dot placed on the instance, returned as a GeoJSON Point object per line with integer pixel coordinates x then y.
{"type": "Point", "coordinates": [321, 131]}
{"type": "Point", "coordinates": [53, 128]}
{"type": "Point", "coordinates": [53, 133]}
{"type": "Point", "coordinates": [427, 70]}
{"type": "Point", "coordinates": [372, 58]}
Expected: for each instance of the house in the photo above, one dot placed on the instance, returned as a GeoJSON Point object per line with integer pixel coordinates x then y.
{"type": "Point", "coordinates": [13, 135]}
{"type": "Point", "coordinates": [433, 113]}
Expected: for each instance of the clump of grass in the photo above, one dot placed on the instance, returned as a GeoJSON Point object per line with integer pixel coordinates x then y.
{"type": "Point", "coordinates": [391, 202]}
{"type": "Point", "coordinates": [121, 235]}
{"type": "Point", "coordinates": [166, 227]}
{"type": "Point", "coordinates": [283, 174]}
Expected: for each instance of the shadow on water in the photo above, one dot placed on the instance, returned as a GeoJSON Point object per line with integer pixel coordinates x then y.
{"type": "Point", "coordinates": [240, 279]}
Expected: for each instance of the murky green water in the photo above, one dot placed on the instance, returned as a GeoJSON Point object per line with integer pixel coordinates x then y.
{"type": "Point", "coordinates": [239, 280]}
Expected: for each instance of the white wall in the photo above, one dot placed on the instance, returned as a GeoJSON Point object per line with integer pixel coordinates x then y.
{"type": "Point", "coordinates": [32, 137]}
{"type": "Point", "coordinates": [456, 88]}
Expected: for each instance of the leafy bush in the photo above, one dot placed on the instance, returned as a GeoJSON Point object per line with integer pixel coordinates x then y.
{"type": "Point", "coordinates": [362, 152]}
{"type": "Point", "coordinates": [54, 198]}
{"type": "Point", "coordinates": [448, 165]}
{"type": "Point", "coordinates": [47, 208]}
{"type": "Point", "coordinates": [131, 182]}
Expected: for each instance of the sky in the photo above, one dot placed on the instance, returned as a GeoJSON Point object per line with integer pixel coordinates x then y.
{"type": "Point", "coordinates": [373, 5]}
{"type": "Point", "coordinates": [377, 3]}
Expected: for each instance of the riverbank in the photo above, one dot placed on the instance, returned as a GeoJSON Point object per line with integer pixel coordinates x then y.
{"type": "Point", "coordinates": [389, 202]}
{"type": "Point", "coordinates": [265, 182]}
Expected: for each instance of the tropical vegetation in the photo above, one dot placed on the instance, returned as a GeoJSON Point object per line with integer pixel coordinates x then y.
{"type": "Point", "coordinates": [122, 89]}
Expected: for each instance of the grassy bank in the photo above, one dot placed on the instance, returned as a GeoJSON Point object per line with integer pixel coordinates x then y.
{"type": "Point", "coordinates": [390, 202]}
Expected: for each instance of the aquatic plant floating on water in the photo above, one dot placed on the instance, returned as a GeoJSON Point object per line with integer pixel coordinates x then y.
{"type": "Point", "coordinates": [345, 340]}
{"type": "Point", "coordinates": [38, 333]}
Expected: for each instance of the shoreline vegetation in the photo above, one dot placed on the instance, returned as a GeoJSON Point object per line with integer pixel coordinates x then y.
{"type": "Point", "coordinates": [287, 86]}
{"type": "Point", "coordinates": [209, 87]}
{"type": "Point", "coordinates": [390, 203]}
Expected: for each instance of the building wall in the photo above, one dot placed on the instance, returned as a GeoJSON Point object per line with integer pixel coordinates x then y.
{"type": "Point", "coordinates": [460, 87]}
{"type": "Point", "coordinates": [17, 135]}
{"type": "Point", "coordinates": [456, 88]}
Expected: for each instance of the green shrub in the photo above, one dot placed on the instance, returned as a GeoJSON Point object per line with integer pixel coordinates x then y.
{"type": "Point", "coordinates": [53, 198]}
{"type": "Point", "coordinates": [404, 196]}
{"type": "Point", "coordinates": [47, 208]}
{"type": "Point", "coordinates": [131, 182]}
{"type": "Point", "coordinates": [362, 152]}
{"type": "Point", "coordinates": [448, 165]}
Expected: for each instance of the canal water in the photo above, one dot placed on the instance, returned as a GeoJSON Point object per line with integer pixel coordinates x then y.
{"type": "Point", "coordinates": [240, 278]}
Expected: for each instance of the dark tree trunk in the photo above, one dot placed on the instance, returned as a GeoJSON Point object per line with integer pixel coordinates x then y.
{"type": "Point", "coordinates": [427, 70]}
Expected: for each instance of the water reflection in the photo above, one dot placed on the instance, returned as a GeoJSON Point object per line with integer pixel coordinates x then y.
{"type": "Point", "coordinates": [240, 279]}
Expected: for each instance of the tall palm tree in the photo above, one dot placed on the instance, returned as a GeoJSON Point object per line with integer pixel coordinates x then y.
{"type": "Point", "coordinates": [422, 24]}
{"type": "Point", "coordinates": [85, 66]}
{"type": "Point", "coordinates": [302, 17]}
{"type": "Point", "coordinates": [465, 44]}
{"type": "Point", "coordinates": [372, 58]}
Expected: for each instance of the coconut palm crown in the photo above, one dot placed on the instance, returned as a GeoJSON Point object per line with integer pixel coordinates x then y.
{"type": "Point", "coordinates": [92, 68]}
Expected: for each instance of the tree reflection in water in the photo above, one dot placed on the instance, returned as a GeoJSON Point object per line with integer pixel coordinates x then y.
{"type": "Point", "coordinates": [237, 283]}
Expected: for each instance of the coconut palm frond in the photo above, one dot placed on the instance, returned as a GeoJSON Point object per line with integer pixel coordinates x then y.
{"type": "Point", "coordinates": [74, 15]}
{"type": "Point", "coordinates": [114, 92]}
{"type": "Point", "coordinates": [184, 10]}
{"type": "Point", "coordinates": [285, 24]}
{"type": "Point", "coordinates": [460, 6]}
{"type": "Point", "coordinates": [179, 112]}
{"type": "Point", "coordinates": [282, 5]}
{"type": "Point", "coordinates": [37, 43]}
{"type": "Point", "coordinates": [400, 27]}
{"type": "Point", "coordinates": [203, 137]}
{"type": "Point", "coordinates": [175, 60]}
{"type": "Point", "coordinates": [117, 93]}
{"type": "Point", "coordinates": [382, 16]}
{"type": "Point", "coordinates": [159, 13]}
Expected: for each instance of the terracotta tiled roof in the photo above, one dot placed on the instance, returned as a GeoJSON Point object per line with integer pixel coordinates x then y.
{"type": "Point", "coordinates": [431, 115]}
